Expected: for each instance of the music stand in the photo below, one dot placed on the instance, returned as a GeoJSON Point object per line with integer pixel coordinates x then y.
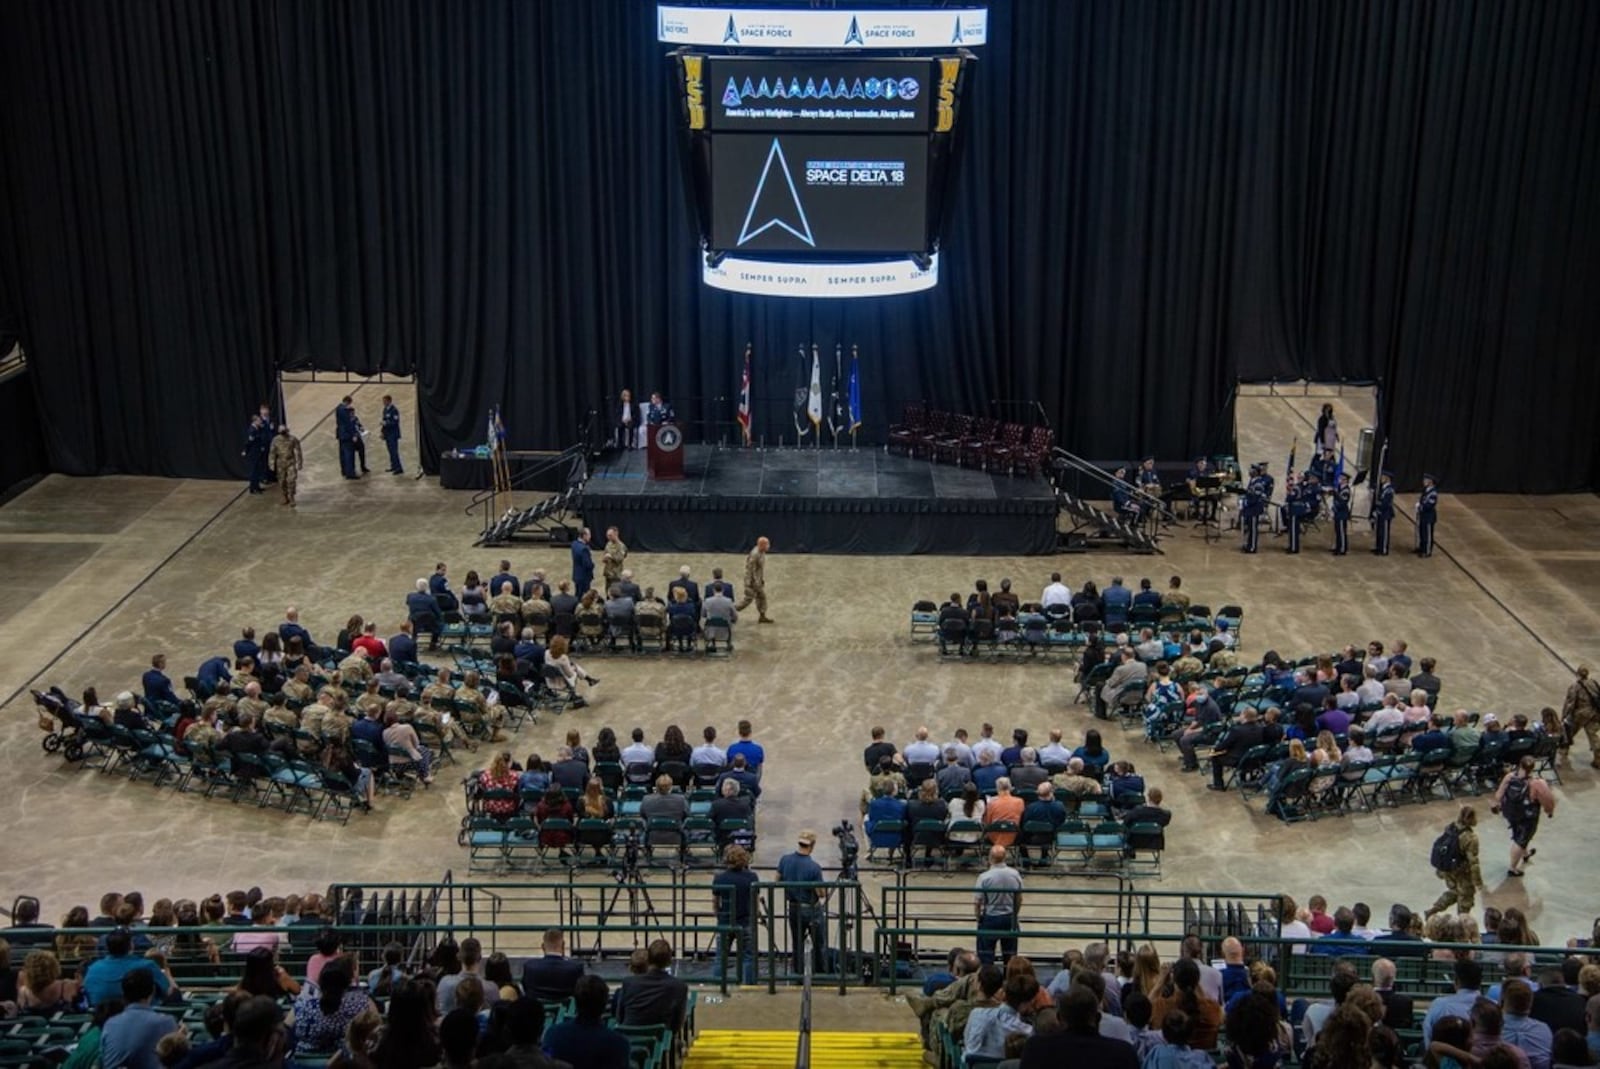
{"type": "Point", "coordinates": [1208, 488]}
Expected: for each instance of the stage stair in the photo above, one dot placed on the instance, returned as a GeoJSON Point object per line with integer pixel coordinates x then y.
{"type": "Point", "coordinates": [740, 1049]}
{"type": "Point", "coordinates": [1093, 526]}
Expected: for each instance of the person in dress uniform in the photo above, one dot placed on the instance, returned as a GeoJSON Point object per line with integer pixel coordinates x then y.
{"type": "Point", "coordinates": [1149, 479]}
{"type": "Point", "coordinates": [391, 434]}
{"type": "Point", "coordinates": [1341, 515]}
{"type": "Point", "coordinates": [1298, 507]}
{"type": "Point", "coordinates": [1253, 507]}
{"type": "Point", "coordinates": [1122, 499]}
{"type": "Point", "coordinates": [1427, 515]}
{"type": "Point", "coordinates": [257, 441]}
{"type": "Point", "coordinates": [1383, 513]}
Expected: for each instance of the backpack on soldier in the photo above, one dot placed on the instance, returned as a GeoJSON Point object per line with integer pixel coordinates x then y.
{"type": "Point", "coordinates": [1518, 804]}
{"type": "Point", "coordinates": [1447, 855]}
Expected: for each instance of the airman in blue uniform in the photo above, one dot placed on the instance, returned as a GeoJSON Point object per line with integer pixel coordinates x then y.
{"type": "Point", "coordinates": [1253, 507]}
{"type": "Point", "coordinates": [1383, 513]}
{"type": "Point", "coordinates": [391, 434]}
{"type": "Point", "coordinates": [1427, 515]}
{"type": "Point", "coordinates": [257, 440]}
{"type": "Point", "coordinates": [1341, 516]}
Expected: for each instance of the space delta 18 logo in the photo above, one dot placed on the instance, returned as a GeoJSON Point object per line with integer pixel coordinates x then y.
{"type": "Point", "coordinates": [735, 95]}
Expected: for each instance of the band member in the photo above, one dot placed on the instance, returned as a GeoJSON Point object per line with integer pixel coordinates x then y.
{"type": "Point", "coordinates": [1122, 499]}
{"type": "Point", "coordinates": [1427, 515]}
{"type": "Point", "coordinates": [1383, 513]}
{"type": "Point", "coordinates": [1205, 502]}
{"type": "Point", "coordinates": [1341, 516]}
{"type": "Point", "coordinates": [1148, 479]}
{"type": "Point", "coordinates": [1253, 507]}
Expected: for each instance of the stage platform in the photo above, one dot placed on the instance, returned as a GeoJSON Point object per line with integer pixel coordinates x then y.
{"type": "Point", "coordinates": [819, 501]}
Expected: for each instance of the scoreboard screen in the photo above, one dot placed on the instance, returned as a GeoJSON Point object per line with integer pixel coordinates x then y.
{"type": "Point", "coordinates": [833, 95]}
{"type": "Point", "coordinates": [811, 193]}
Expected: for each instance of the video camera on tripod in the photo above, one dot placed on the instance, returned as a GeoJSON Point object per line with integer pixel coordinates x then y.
{"type": "Point", "coordinates": [849, 849]}
{"type": "Point", "coordinates": [626, 869]}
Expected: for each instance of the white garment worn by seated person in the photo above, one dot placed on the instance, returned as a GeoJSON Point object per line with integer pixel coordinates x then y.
{"type": "Point", "coordinates": [638, 753]}
{"type": "Point", "coordinates": [923, 752]}
{"type": "Point", "coordinates": [707, 754]}
{"type": "Point", "coordinates": [1055, 594]}
{"type": "Point", "coordinates": [963, 752]}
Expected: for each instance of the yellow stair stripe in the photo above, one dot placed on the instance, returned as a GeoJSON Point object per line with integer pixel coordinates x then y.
{"type": "Point", "coordinates": [728, 1048]}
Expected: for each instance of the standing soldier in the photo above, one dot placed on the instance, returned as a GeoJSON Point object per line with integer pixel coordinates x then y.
{"type": "Point", "coordinates": [1581, 711]}
{"type": "Point", "coordinates": [1250, 511]}
{"type": "Point", "coordinates": [287, 460]}
{"type": "Point", "coordinates": [1457, 864]}
{"type": "Point", "coordinates": [755, 580]}
{"type": "Point", "coordinates": [344, 417]}
{"type": "Point", "coordinates": [391, 435]}
{"type": "Point", "coordinates": [1341, 516]}
{"type": "Point", "coordinates": [257, 440]}
{"type": "Point", "coordinates": [1427, 515]}
{"type": "Point", "coordinates": [1383, 513]}
{"type": "Point", "coordinates": [611, 563]}
{"type": "Point", "coordinates": [1298, 508]}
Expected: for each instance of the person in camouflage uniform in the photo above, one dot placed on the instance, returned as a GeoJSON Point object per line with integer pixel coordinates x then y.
{"type": "Point", "coordinates": [755, 580]}
{"type": "Point", "coordinates": [616, 552]}
{"type": "Point", "coordinates": [298, 688]}
{"type": "Point", "coordinates": [286, 460]}
{"type": "Point", "coordinates": [251, 703]}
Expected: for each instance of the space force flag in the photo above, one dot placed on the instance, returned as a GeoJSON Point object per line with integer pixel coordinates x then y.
{"type": "Point", "coordinates": [814, 399]}
{"type": "Point", "coordinates": [744, 396]}
{"type": "Point", "coordinates": [855, 390]}
{"type": "Point", "coordinates": [802, 396]}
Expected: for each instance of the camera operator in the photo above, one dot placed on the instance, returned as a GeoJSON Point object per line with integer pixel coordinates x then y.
{"type": "Point", "coordinates": [803, 906]}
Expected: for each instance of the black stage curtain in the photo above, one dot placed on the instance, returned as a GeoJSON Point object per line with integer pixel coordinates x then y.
{"type": "Point", "coordinates": [1155, 201]}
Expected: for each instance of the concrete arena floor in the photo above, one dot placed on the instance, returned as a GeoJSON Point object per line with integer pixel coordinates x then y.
{"type": "Point", "coordinates": [105, 572]}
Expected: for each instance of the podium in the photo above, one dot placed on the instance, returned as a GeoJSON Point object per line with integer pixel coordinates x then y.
{"type": "Point", "coordinates": [665, 457]}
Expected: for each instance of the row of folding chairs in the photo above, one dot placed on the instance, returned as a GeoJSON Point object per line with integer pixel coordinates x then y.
{"type": "Point", "coordinates": [1076, 844]}
{"type": "Point", "coordinates": [524, 843]}
{"type": "Point", "coordinates": [971, 441]}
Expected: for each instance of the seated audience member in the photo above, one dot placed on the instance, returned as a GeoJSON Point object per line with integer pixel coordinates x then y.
{"type": "Point", "coordinates": [988, 771]}
{"type": "Point", "coordinates": [1044, 809]}
{"type": "Point", "coordinates": [584, 1039]}
{"type": "Point", "coordinates": [553, 976]}
{"type": "Point", "coordinates": [1559, 1002]}
{"type": "Point", "coordinates": [990, 1026]}
{"type": "Point", "coordinates": [877, 750]}
{"type": "Point", "coordinates": [1029, 774]}
{"type": "Point", "coordinates": [323, 1011]}
{"type": "Point", "coordinates": [1011, 756]}
{"type": "Point", "coordinates": [969, 807]}
{"type": "Point", "coordinates": [1244, 736]}
{"type": "Point", "coordinates": [655, 997]}
{"type": "Point", "coordinates": [953, 775]}
{"type": "Point", "coordinates": [673, 747]}
{"type": "Point", "coordinates": [708, 753]}
{"type": "Point", "coordinates": [1180, 990]}
{"type": "Point", "coordinates": [1123, 784]}
{"type": "Point", "coordinates": [1077, 1040]}
{"type": "Point", "coordinates": [1052, 755]}
{"type": "Point", "coordinates": [920, 751]}
{"type": "Point", "coordinates": [569, 773]}
{"type": "Point", "coordinates": [102, 980]}
{"type": "Point", "coordinates": [1075, 783]}
{"type": "Point", "coordinates": [1425, 679]}
{"type": "Point", "coordinates": [128, 1040]}
{"type": "Point", "coordinates": [1520, 1029]}
{"type": "Point", "coordinates": [1358, 751]}
{"type": "Point", "coordinates": [40, 989]}
{"type": "Point", "coordinates": [730, 804]}
{"type": "Point", "coordinates": [886, 805]}
{"type": "Point", "coordinates": [750, 783]}
{"type": "Point", "coordinates": [664, 805]}
{"type": "Point", "coordinates": [555, 806]}
{"type": "Point", "coordinates": [1003, 807]}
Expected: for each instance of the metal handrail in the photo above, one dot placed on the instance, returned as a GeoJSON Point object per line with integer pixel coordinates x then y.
{"type": "Point", "coordinates": [1100, 475]}
{"type": "Point", "coordinates": [572, 455]}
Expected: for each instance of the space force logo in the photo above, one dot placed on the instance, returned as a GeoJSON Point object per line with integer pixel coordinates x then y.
{"type": "Point", "coordinates": [776, 202]}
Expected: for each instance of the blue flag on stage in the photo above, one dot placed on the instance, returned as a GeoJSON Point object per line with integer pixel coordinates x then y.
{"type": "Point", "coordinates": [855, 389]}
{"type": "Point", "coordinates": [1338, 469]}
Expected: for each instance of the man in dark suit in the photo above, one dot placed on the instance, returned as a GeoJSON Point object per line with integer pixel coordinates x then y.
{"type": "Point", "coordinates": [630, 589]}
{"type": "Point", "coordinates": [730, 804]}
{"type": "Point", "coordinates": [290, 628]}
{"type": "Point", "coordinates": [403, 646]}
{"type": "Point", "coordinates": [552, 977]}
{"type": "Point", "coordinates": [1398, 1009]}
{"type": "Point", "coordinates": [157, 687]}
{"type": "Point", "coordinates": [391, 435]}
{"type": "Point", "coordinates": [1398, 941]}
{"type": "Point", "coordinates": [439, 587]}
{"type": "Point", "coordinates": [1425, 679]}
{"type": "Point", "coordinates": [1308, 691]}
{"type": "Point", "coordinates": [655, 997]}
{"type": "Point", "coordinates": [536, 586]}
{"type": "Point", "coordinates": [504, 576]}
{"type": "Point", "coordinates": [1558, 1002]}
{"type": "Point", "coordinates": [582, 563]}
{"type": "Point", "coordinates": [690, 588]}
{"type": "Point", "coordinates": [1237, 741]}
{"type": "Point", "coordinates": [1150, 812]}
{"type": "Point", "coordinates": [347, 430]}
{"type": "Point", "coordinates": [422, 610]}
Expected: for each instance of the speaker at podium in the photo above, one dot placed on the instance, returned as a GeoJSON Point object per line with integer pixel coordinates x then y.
{"type": "Point", "coordinates": [665, 457]}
